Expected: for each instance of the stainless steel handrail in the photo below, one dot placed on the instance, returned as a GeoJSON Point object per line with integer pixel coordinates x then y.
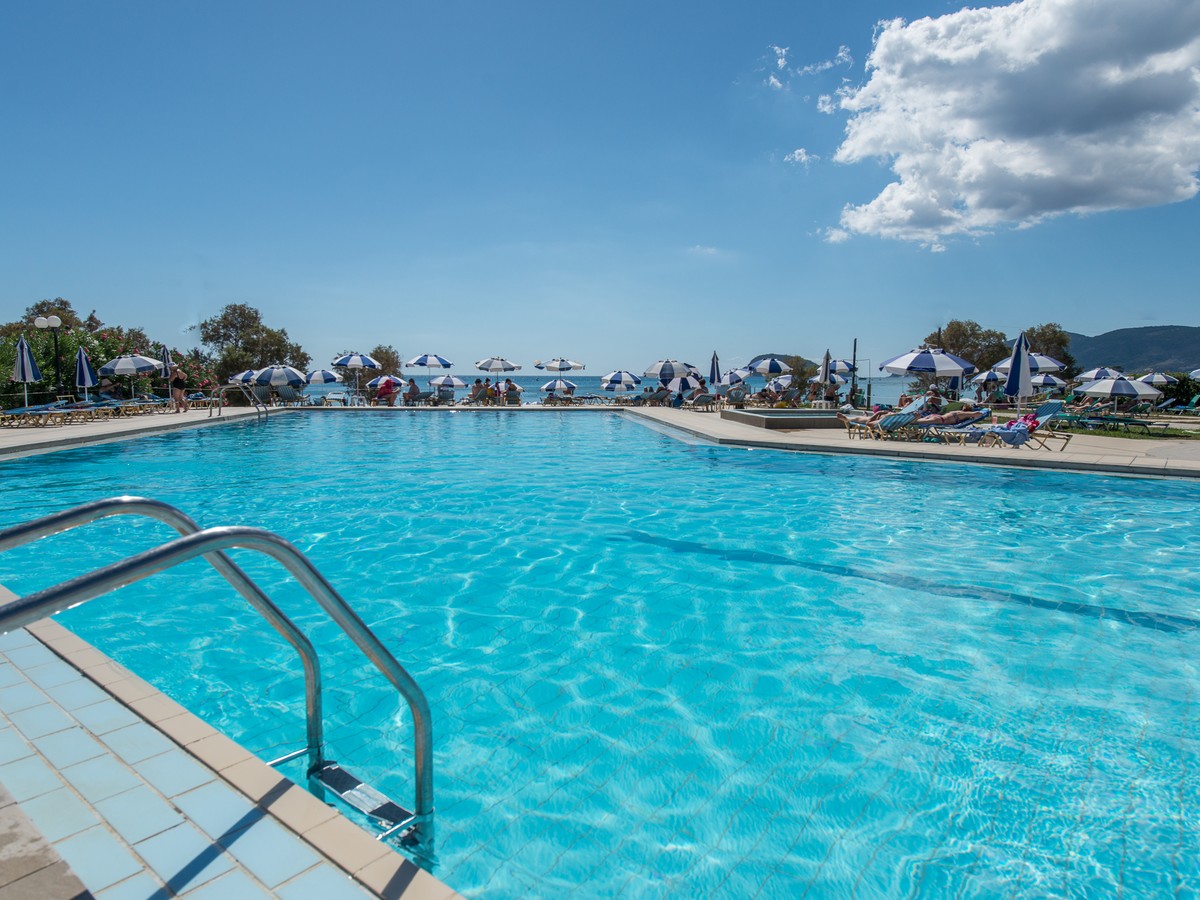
{"type": "Point", "coordinates": [218, 394]}
{"type": "Point", "coordinates": [185, 524]}
{"type": "Point", "coordinates": [76, 591]}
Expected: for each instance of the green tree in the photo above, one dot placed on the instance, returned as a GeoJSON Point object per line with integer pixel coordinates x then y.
{"type": "Point", "coordinates": [1051, 340]}
{"type": "Point", "coordinates": [388, 358]}
{"type": "Point", "coordinates": [984, 347]}
{"type": "Point", "coordinates": [239, 340]}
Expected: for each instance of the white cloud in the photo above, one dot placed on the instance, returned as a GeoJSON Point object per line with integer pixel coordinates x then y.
{"type": "Point", "coordinates": [843, 58]}
{"type": "Point", "coordinates": [826, 105]}
{"type": "Point", "coordinates": [1009, 115]}
{"type": "Point", "coordinates": [774, 83]}
{"type": "Point", "coordinates": [800, 157]}
{"type": "Point", "coordinates": [780, 56]}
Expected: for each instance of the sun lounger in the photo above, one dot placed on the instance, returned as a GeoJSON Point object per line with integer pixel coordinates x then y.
{"type": "Point", "coordinates": [954, 434]}
{"type": "Point", "coordinates": [893, 425]}
{"type": "Point", "coordinates": [1189, 410]}
{"type": "Point", "coordinates": [657, 398]}
{"type": "Point", "coordinates": [289, 396]}
{"type": "Point", "coordinates": [736, 397]}
{"type": "Point", "coordinates": [705, 402]}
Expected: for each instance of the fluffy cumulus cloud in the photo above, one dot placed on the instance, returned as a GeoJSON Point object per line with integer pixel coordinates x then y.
{"type": "Point", "coordinates": [800, 157]}
{"type": "Point", "coordinates": [1009, 115]}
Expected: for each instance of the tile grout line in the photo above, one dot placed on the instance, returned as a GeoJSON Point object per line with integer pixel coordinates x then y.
{"type": "Point", "coordinates": [370, 864]}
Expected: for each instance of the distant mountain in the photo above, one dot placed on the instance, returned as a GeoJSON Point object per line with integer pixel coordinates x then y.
{"type": "Point", "coordinates": [1161, 348]}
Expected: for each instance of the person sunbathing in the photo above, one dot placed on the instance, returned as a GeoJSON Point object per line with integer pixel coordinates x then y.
{"type": "Point", "coordinates": [866, 420]}
{"type": "Point", "coordinates": [954, 417]}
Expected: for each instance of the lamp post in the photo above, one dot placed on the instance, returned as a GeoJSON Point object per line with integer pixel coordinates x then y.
{"type": "Point", "coordinates": [53, 323]}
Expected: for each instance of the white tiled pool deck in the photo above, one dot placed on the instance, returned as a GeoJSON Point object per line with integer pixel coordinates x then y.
{"type": "Point", "coordinates": [130, 796]}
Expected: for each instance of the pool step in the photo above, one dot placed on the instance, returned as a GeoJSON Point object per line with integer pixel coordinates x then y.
{"type": "Point", "coordinates": [361, 796]}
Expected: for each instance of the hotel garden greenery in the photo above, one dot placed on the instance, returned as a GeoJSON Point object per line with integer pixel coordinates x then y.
{"type": "Point", "coordinates": [226, 351]}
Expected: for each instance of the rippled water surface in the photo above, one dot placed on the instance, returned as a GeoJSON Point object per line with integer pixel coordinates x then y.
{"type": "Point", "coordinates": [661, 668]}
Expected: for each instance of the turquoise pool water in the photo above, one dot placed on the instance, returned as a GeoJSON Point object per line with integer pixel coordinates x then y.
{"type": "Point", "coordinates": [661, 668]}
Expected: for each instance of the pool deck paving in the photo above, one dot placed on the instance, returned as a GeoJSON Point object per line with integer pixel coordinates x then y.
{"type": "Point", "coordinates": [110, 789]}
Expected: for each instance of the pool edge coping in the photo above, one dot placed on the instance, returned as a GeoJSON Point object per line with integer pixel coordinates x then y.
{"type": "Point", "coordinates": [371, 864]}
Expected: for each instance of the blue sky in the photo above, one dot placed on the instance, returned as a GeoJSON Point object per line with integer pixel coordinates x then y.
{"type": "Point", "coordinates": [615, 182]}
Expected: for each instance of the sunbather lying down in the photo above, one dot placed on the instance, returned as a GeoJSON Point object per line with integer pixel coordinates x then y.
{"type": "Point", "coordinates": [954, 417]}
{"type": "Point", "coordinates": [865, 420]}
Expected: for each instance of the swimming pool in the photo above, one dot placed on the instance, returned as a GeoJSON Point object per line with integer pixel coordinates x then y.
{"type": "Point", "coordinates": [665, 668]}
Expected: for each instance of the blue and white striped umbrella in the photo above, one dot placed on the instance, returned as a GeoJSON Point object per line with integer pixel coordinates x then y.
{"type": "Point", "coordinates": [1099, 373]}
{"type": "Point", "coordinates": [85, 372]}
{"type": "Point", "coordinates": [382, 379]}
{"type": "Point", "coordinates": [242, 377]}
{"type": "Point", "coordinates": [322, 376]}
{"type": "Point", "coordinates": [687, 382]}
{"type": "Point", "coordinates": [430, 361]}
{"type": "Point", "coordinates": [447, 381]}
{"type": "Point", "coordinates": [927, 361]}
{"type": "Point", "coordinates": [496, 364]}
{"type": "Point", "coordinates": [734, 376]}
{"type": "Point", "coordinates": [991, 376]}
{"type": "Point", "coordinates": [1019, 382]}
{"type": "Point", "coordinates": [356, 361]}
{"type": "Point", "coordinates": [619, 378]}
{"type": "Point", "coordinates": [782, 383]}
{"type": "Point", "coordinates": [1120, 387]}
{"type": "Point", "coordinates": [167, 362]}
{"type": "Point", "coordinates": [714, 369]}
{"type": "Point", "coordinates": [130, 364]}
{"type": "Point", "coordinates": [560, 364]}
{"type": "Point", "coordinates": [559, 384]}
{"type": "Point", "coordinates": [666, 369]}
{"type": "Point", "coordinates": [770, 366]}
{"type": "Point", "coordinates": [1046, 380]}
{"type": "Point", "coordinates": [25, 369]}
{"type": "Point", "coordinates": [278, 375]}
{"type": "Point", "coordinates": [1158, 378]}
{"type": "Point", "coordinates": [1195, 373]}
{"type": "Point", "coordinates": [834, 378]}
{"type": "Point", "coordinates": [1038, 362]}
{"type": "Point", "coordinates": [842, 366]}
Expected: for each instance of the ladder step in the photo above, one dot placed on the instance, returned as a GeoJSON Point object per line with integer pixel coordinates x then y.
{"type": "Point", "coordinates": [361, 795]}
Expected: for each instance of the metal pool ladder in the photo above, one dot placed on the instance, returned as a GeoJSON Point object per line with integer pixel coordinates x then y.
{"type": "Point", "coordinates": [414, 828]}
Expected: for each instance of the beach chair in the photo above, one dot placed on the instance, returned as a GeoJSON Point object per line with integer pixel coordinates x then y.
{"type": "Point", "coordinates": [289, 396]}
{"type": "Point", "coordinates": [955, 434]}
{"type": "Point", "coordinates": [736, 397]}
{"type": "Point", "coordinates": [705, 402]}
{"type": "Point", "coordinates": [893, 425]}
{"type": "Point", "coordinates": [1043, 430]}
{"type": "Point", "coordinates": [512, 398]}
{"type": "Point", "coordinates": [334, 398]}
{"type": "Point", "coordinates": [1189, 410]}
{"type": "Point", "coordinates": [656, 398]}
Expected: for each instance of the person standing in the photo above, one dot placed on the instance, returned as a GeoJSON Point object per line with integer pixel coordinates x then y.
{"type": "Point", "coordinates": [179, 389]}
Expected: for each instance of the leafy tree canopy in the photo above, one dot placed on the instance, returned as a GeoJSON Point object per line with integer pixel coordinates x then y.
{"type": "Point", "coordinates": [982, 346]}
{"type": "Point", "coordinates": [1051, 340]}
{"type": "Point", "coordinates": [388, 357]}
{"type": "Point", "coordinates": [240, 340]}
